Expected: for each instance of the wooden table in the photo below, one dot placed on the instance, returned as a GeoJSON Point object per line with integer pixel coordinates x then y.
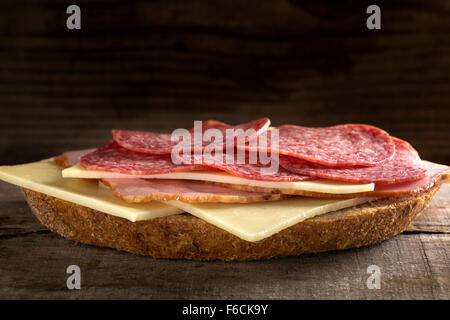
{"type": "Point", "coordinates": [160, 65]}
{"type": "Point", "coordinates": [414, 265]}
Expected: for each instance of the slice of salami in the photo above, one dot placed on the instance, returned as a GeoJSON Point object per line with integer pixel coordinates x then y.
{"type": "Point", "coordinates": [342, 145]}
{"type": "Point", "coordinates": [250, 169]}
{"type": "Point", "coordinates": [405, 166]}
{"type": "Point", "coordinates": [253, 172]}
{"type": "Point", "coordinates": [114, 158]}
{"type": "Point", "coordinates": [160, 143]}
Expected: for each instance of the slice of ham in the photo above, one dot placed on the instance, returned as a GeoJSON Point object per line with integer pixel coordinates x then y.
{"type": "Point", "coordinates": [404, 167]}
{"type": "Point", "coordinates": [342, 145]}
{"type": "Point", "coordinates": [71, 158]}
{"type": "Point", "coordinates": [142, 190]}
{"type": "Point", "coordinates": [160, 143]}
{"type": "Point", "coordinates": [435, 174]}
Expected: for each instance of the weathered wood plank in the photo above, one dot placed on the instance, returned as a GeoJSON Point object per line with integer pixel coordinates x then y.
{"type": "Point", "coordinates": [436, 218]}
{"type": "Point", "coordinates": [15, 215]}
{"type": "Point", "coordinates": [413, 266]}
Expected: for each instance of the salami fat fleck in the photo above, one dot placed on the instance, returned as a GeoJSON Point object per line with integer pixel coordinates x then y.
{"type": "Point", "coordinates": [160, 143]}
{"type": "Point", "coordinates": [406, 165]}
{"type": "Point", "coordinates": [342, 145]}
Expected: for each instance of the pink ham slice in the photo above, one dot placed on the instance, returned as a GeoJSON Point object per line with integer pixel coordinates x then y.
{"type": "Point", "coordinates": [404, 167]}
{"type": "Point", "coordinates": [435, 173]}
{"type": "Point", "coordinates": [141, 190]}
{"type": "Point", "coordinates": [342, 145]}
{"type": "Point", "coordinates": [160, 143]}
{"type": "Point", "coordinates": [71, 158]}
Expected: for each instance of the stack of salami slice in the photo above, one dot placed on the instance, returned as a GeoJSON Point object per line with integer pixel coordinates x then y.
{"type": "Point", "coordinates": [350, 153]}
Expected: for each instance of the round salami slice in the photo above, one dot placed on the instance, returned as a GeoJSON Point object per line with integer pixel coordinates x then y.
{"type": "Point", "coordinates": [143, 141]}
{"type": "Point", "coordinates": [249, 168]}
{"type": "Point", "coordinates": [342, 145]}
{"type": "Point", "coordinates": [254, 172]}
{"type": "Point", "coordinates": [160, 143]}
{"type": "Point", "coordinates": [405, 166]}
{"type": "Point", "coordinates": [114, 158]}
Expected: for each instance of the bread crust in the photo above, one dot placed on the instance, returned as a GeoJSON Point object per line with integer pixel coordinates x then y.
{"type": "Point", "coordinates": [187, 237]}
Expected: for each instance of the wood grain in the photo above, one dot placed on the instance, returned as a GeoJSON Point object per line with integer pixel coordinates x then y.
{"type": "Point", "coordinates": [414, 265]}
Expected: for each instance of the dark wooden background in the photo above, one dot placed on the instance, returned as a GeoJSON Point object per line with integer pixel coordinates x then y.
{"type": "Point", "coordinates": [159, 65]}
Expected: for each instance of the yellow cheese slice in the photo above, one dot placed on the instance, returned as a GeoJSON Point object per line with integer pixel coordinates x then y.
{"type": "Point", "coordinates": [256, 221]}
{"type": "Point", "coordinates": [45, 177]}
{"type": "Point", "coordinates": [250, 221]}
{"type": "Point", "coordinates": [320, 185]}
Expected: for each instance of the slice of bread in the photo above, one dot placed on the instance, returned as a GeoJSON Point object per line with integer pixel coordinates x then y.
{"type": "Point", "coordinates": [187, 237]}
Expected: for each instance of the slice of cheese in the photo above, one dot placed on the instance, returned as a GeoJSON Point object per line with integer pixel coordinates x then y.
{"type": "Point", "coordinates": [320, 185]}
{"type": "Point", "coordinates": [256, 221]}
{"type": "Point", "coordinates": [250, 221]}
{"type": "Point", "coordinates": [46, 177]}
